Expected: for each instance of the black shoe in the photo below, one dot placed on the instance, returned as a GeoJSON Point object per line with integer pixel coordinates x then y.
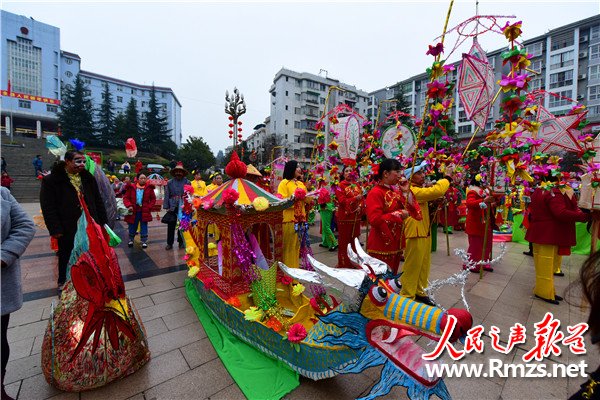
{"type": "Point", "coordinates": [322, 245]}
{"type": "Point", "coordinates": [528, 253]}
{"type": "Point", "coordinates": [144, 245]}
{"type": "Point", "coordinates": [559, 273]}
{"type": "Point", "coordinates": [334, 248]}
{"type": "Point", "coordinates": [557, 297]}
{"type": "Point", "coordinates": [548, 300]}
{"type": "Point", "coordinates": [169, 247]}
{"type": "Point", "coordinates": [425, 300]}
{"type": "Point", "coordinates": [130, 244]}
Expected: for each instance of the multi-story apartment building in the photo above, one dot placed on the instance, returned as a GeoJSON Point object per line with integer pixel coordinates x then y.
{"type": "Point", "coordinates": [567, 62]}
{"type": "Point", "coordinates": [36, 70]}
{"type": "Point", "coordinates": [298, 100]}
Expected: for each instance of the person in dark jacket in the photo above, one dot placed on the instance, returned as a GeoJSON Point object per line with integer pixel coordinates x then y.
{"type": "Point", "coordinates": [59, 200]}
{"type": "Point", "coordinates": [139, 199]}
{"type": "Point", "coordinates": [552, 217]}
{"type": "Point", "coordinates": [17, 231]}
{"type": "Point", "coordinates": [173, 198]}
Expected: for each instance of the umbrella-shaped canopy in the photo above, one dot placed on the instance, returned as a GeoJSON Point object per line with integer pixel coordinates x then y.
{"type": "Point", "coordinates": [476, 85]}
{"type": "Point", "coordinates": [248, 191]}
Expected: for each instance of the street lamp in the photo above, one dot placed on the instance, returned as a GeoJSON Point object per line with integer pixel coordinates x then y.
{"type": "Point", "coordinates": [235, 106]}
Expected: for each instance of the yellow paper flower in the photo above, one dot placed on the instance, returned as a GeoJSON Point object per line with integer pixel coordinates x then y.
{"type": "Point", "coordinates": [478, 177]}
{"type": "Point", "coordinates": [297, 289]}
{"type": "Point", "coordinates": [437, 70]}
{"type": "Point", "coordinates": [438, 107]}
{"type": "Point", "coordinates": [530, 110]}
{"type": "Point", "coordinates": [509, 130]}
{"type": "Point", "coordinates": [260, 203]}
{"type": "Point", "coordinates": [554, 160]}
{"type": "Point", "coordinates": [192, 272]}
{"type": "Point", "coordinates": [253, 314]}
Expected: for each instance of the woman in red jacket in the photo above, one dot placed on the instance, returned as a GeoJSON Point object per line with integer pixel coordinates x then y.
{"type": "Point", "coordinates": [139, 199]}
{"type": "Point", "coordinates": [552, 217]}
{"type": "Point", "coordinates": [350, 209]}
{"type": "Point", "coordinates": [389, 203]}
{"type": "Point", "coordinates": [480, 205]}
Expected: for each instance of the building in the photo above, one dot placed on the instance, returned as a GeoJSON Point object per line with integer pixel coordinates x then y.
{"type": "Point", "coordinates": [298, 100]}
{"type": "Point", "coordinates": [37, 69]}
{"type": "Point", "coordinates": [567, 60]}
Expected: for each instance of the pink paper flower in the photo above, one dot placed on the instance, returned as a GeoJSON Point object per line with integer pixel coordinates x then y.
{"type": "Point", "coordinates": [296, 333]}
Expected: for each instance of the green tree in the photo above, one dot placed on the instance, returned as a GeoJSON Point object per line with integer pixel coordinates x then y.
{"type": "Point", "coordinates": [156, 132]}
{"type": "Point", "coordinates": [132, 125]}
{"type": "Point", "coordinates": [76, 115]}
{"type": "Point", "coordinates": [106, 119]}
{"type": "Point", "coordinates": [400, 104]}
{"type": "Point", "coordinates": [120, 130]}
{"type": "Point", "coordinates": [195, 153]}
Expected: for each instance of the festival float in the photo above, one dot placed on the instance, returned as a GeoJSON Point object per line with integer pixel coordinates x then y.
{"type": "Point", "coordinates": [355, 321]}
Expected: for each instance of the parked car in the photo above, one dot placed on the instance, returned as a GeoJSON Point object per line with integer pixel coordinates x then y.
{"type": "Point", "coordinates": [155, 168]}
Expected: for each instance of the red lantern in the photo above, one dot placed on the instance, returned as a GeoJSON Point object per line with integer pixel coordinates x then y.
{"type": "Point", "coordinates": [239, 129]}
{"type": "Point", "coordinates": [231, 132]}
{"type": "Point", "coordinates": [239, 136]}
{"type": "Point", "coordinates": [239, 122]}
{"type": "Point", "coordinates": [230, 118]}
{"type": "Point", "coordinates": [231, 125]}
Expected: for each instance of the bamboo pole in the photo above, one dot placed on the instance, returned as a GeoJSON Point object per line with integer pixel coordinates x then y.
{"type": "Point", "coordinates": [446, 229]}
{"type": "Point", "coordinates": [485, 239]}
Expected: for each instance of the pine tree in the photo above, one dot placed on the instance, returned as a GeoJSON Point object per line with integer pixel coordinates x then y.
{"type": "Point", "coordinates": [156, 132]}
{"type": "Point", "coordinates": [400, 104]}
{"type": "Point", "coordinates": [76, 116]}
{"type": "Point", "coordinates": [106, 119]}
{"type": "Point", "coordinates": [132, 125]}
{"type": "Point", "coordinates": [120, 135]}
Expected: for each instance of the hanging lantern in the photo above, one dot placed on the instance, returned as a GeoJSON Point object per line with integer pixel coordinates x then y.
{"type": "Point", "coordinates": [239, 122]}
{"type": "Point", "coordinates": [239, 129]}
{"type": "Point", "coordinates": [230, 118]}
{"type": "Point", "coordinates": [231, 125]}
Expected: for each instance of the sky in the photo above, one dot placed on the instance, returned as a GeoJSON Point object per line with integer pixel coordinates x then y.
{"type": "Point", "coordinates": [201, 49]}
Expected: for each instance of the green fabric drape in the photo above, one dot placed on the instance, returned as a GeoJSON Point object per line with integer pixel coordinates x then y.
{"type": "Point", "coordinates": [584, 239]}
{"type": "Point", "coordinates": [257, 375]}
{"type": "Point", "coordinates": [327, 237]}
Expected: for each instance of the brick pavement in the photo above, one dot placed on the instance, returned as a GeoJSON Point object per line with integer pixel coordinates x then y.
{"type": "Point", "coordinates": [185, 366]}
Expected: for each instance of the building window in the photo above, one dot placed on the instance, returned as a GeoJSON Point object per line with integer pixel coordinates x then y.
{"type": "Point", "coordinates": [297, 110]}
{"type": "Point", "coordinates": [462, 116]}
{"type": "Point", "coordinates": [133, 91]}
{"type": "Point", "coordinates": [69, 74]}
{"type": "Point", "coordinates": [119, 99]}
{"type": "Point", "coordinates": [69, 61]}
{"type": "Point", "coordinates": [322, 100]}
{"type": "Point", "coordinates": [594, 93]}
{"type": "Point", "coordinates": [561, 99]}
{"type": "Point", "coordinates": [595, 32]}
{"type": "Point", "coordinates": [286, 78]}
{"type": "Point", "coordinates": [593, 110]}
{"type": "Point", "coordinates": [286, 122]}
{"type": "Point", "coordinates": [594, 72]}
{"type": "Point", "coordinates": [143, 104]}
{"type": "Point", "coordinates": [51, 108]}
{"type": "Point", "coordinates": [286, 93]}
{"type": "Point", "coordinates": [143, 92]}
{"type": "Point", "coordinates": [537, 66]}
{"type": "Point", "coordinates": [87, 81]}
{"type": "Point", "coordinates": [535, 49]}
{"type": "Point", "coordinates": [297, 96]}
{"type": "Point", "coordinates": [119, 89]}
{"type": "Point", "coordinates": [286, 108]}
{"type": "Point", "coordinates": [103, 96]}
{"type": "Point", "coordinates": [535, 84]}
{"type": "Point", "coordinates": [24, 104]}
{"type": "Point", "coordinates": [562, 60]}
{"type": "Point", "coordinates": [164, 95]}
{"type": "Point", "coordinates": [595, 52]}
{"type": "Point", "coordinates": [560, 79]}
{"type": "Point", "coordinates": [297, 124]}
{"type": "Point", "coordinates": [24, 67]}
{"type": "Point", "coordinates": [464, 129]}
{"type": "Point", "coordinates": [87, 93]}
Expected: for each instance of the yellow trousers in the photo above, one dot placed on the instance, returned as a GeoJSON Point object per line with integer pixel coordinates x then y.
{"type": "Point", "coordinates": [417, 263]}
{"type": "Point", "coordinates": [546, 261]}
{"type": "Point", "coordinates": [291, 246]}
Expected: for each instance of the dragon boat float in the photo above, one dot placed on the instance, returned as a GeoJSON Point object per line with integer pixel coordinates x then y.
{"type": "Point", "coordinates": [352, 320]}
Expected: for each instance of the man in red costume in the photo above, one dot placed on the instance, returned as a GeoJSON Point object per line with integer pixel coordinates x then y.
{"type": "Point", "coordinates": [481, 205]}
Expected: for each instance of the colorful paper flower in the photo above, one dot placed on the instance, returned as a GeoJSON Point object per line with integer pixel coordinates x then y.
{"type": "Point", "coordinates": [234, 301]}
{"type": "Point", "coordinates": [274, 324]}
{"type": "Point", "coordinates": [77, 144]}
{"type": "Point", "coordinates": [299, 194]}
{"type": "Point", "coordinates": [333, 145]}
{"type": "Point", "coordinates": [192, 272]}
{"type": "Point", "coordinates": [435, 50]}
{"type": "Point", "coordinates": [297, 289]}
{"type": "Point", "coordinates": [512, 31]}
{"type": "Point", "coordinates": [253, 314]}
{"type": "Point", "coordinates": [230, 196]}
{"type": "Point", "coordinates": [296, 333]}
{"type": "Point", "coordinates": [286, 280]}
{"type": "Point", "coordinates": [436, 89]}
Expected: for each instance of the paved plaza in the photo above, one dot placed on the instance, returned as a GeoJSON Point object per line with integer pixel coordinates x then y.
{"type": "Point", "coordinates": [184, 364]}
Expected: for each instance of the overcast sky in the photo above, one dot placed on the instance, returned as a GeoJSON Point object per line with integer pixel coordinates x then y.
{"type": "Point", "coordinates": [201, 49]}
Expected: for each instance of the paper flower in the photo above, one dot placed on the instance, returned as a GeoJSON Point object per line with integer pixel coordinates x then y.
{"type": "Point", "coordinates": [333, 145]}
{"type": "Point", "coordinates": [274, 324]}
{"type": "Point", "coordinates": [192, 272]}
{"type": "Point", "coordinates": [300, 194]}
{"type": "Point", "coordinates": [188, 189]}
{"type": "Point", "coordinates": [286, 280]}
{"type": "Point", "coordinates": [436, 89]}
{"type": "Point", "coordinates": [436, 70]}
{"type": "Point", "coordinates": [253, 314]}
{"type": "Point", "coordinates": [208, 204]}
{"type": "Point", "coordinates": [435, 50]}
{"type": "Point", "coordinates": [296, 333]}
{"type": "Point", "coordinates": [512, 31]}
{"type": "Point", "coordinates": [230, 196]}
{"type": "Point", "coordinates": [260, 203]}
{"type": "Point", "coordinates": [197, 202]}
{"type": "Point", "coordinates": [297, 289]}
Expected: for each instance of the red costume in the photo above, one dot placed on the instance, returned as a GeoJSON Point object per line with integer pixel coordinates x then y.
{"type": "Point", "coordinates": [138, 166]}
{"type": "Point", "coordinates": [350, 209]}
{"type": "Point", "coordinates": [129, 200]}
{"type": "Point", "coordinates": [385, 236]}
{"type": "Point", "coordinates": [475, 224]}
{"type": "Point", "coordinates": [452, 200]}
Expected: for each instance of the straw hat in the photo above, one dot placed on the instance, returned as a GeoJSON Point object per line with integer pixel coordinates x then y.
{"type": "Point", "coordinates": [179, 167]}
